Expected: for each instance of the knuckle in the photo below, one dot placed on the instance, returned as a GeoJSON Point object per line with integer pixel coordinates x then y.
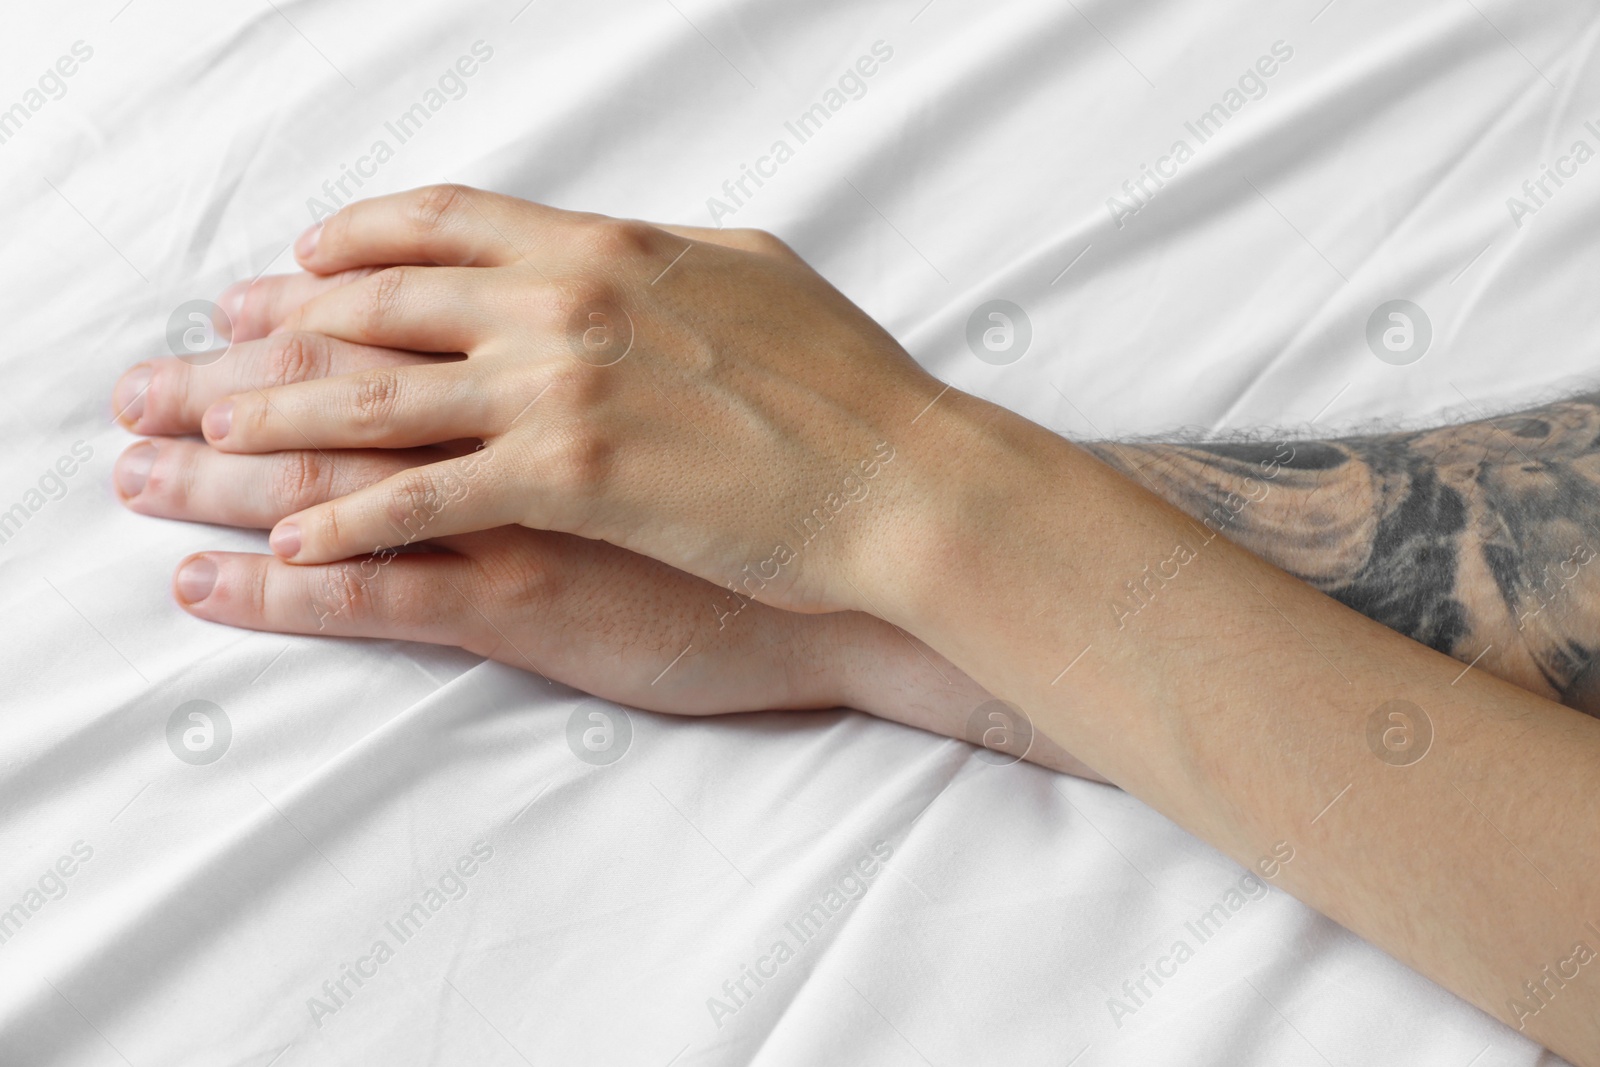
{"type": "Point", "coordinates": [348, 277]}
{"type": "Point", "coordinates": [342, 590]}
{"type": "Point", "coordinates": [413, 504]}
{"type": "Point", "coordinates": [533, 580]}
{"type": "Point", "coordinates": [298, 480]}
{"type": "Point", "coordinates": [763, 241]}
{"type": "Point", "coordinates": [575, 297]}
{"type": "Point", "coordinates": [385, 295]}
{"type": "Point", "coordinates": [573, 387]}
{"type": "Point", "coordinates": [516, 583]}
{"type": "Point", "coordinates": [167, 393]}
{"type": "Point", "coordinates": [253, 592]}
{"type": "Point", "coordinates": [254, 417]}
{"type": "Point", "coordinates": [295, 357]}
{"type": "Point", "coordinates": [520, 579]}
{"type": "Point", "coordinates": [467, 629]}
{"type": "Point", "coordinates": [435, 207]}
{"type": "Point", "coordinates": [373, 397]}
{"type": "Point", "coordinates": [265, 302]}
{"type": "Point", "coordinates": [330, 524]}
{"type": "Point", "coordinates": [582, 462]}
{"type": "Point", "coordinates": [611, 239]}
{"type": "Point", "coordinates": [252, 304]}
{"type": "Point", "coordinates": [336, 229]}
{"type": "Point", "coordinates": [536, 579]}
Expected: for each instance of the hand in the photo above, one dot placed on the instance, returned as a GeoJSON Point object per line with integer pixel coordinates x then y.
{"type": "Point", "coordinates": [702, 397]}
{"type": "Point", "coordinates": [581, 612]}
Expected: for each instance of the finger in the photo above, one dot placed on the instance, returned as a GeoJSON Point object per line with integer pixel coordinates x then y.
{"type": "Point", "coordinates": [168, 396]}
{"type": "Point", "coordinates": [255, 308]}
{"type": "Point", "coordinates": [444, 225]}
{"type": "Point", "coordinates": [451, 497]}
{"type": "Point", "coordinates": [404, 596]}
{"type": "Point", "coordinates": [424, 309]}
{"type": "Point", "coordinates": [402, 407]}
{"type": "Point", "coordinates": [177, 479]}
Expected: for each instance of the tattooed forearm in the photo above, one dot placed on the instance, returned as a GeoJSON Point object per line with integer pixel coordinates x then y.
{"type": "Point", "coordinates": [1473, 539]}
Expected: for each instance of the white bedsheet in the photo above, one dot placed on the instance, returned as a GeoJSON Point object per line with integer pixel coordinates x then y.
{"type": "Point", "coordinates": [208, 905]}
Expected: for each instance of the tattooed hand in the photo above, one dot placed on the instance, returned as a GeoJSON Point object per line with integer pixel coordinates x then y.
{"type": "Point", "coordinates": [1473, 539]}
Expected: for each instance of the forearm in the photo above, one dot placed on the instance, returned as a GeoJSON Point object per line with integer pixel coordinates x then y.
{"type": "Point", "coordinates": [1473, 539]}
{"type": "Point", "coordinates": [1237, 703]}
{"type": "Point", "coordinates": [1444, 535]}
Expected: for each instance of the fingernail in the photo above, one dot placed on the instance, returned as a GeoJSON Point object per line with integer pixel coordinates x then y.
{"type": "Point", "coordinates": [306, 243]}
{"type": "Point", "coordinates": [218, 420]}
{"type": "Point", "coordinates": [196, 579]}
{"type": "Point", "coordinates": [232, 300]}
{"type": "Point", "coordinates": [129, 395]}
{"type": "Point", "coordinates": [285, 540]}
{"type": "Point", "coordinates": [133, 468]}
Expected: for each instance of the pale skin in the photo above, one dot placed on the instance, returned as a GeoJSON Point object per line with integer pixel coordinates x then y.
{"type": "Point", "coordinates": [582, 612]}
{"type": "Point", "coordinates": [610, 502]}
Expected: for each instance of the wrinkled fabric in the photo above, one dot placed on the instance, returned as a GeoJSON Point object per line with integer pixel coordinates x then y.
{"type": "Point", "coordinates": [399, 858]}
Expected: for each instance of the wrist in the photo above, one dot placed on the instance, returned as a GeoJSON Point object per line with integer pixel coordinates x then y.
{"type": "Point", "coordinates": [885, 672]}
{"type": "Point", "coordinates": [881, 670]}
{"type": "Point", "coordinates": [970, 475]}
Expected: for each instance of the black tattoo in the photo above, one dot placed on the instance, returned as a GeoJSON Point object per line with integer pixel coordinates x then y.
{"type": "Point", "coordinates": [1473, 539]}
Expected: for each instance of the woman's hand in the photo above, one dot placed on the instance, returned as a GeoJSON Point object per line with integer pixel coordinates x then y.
{"type": "Point", "coordinates": [579, 611]}
{"type": "Point", "coordinates": [702, 397]}
{"type": "Point", "coordinates": [583, 612]}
